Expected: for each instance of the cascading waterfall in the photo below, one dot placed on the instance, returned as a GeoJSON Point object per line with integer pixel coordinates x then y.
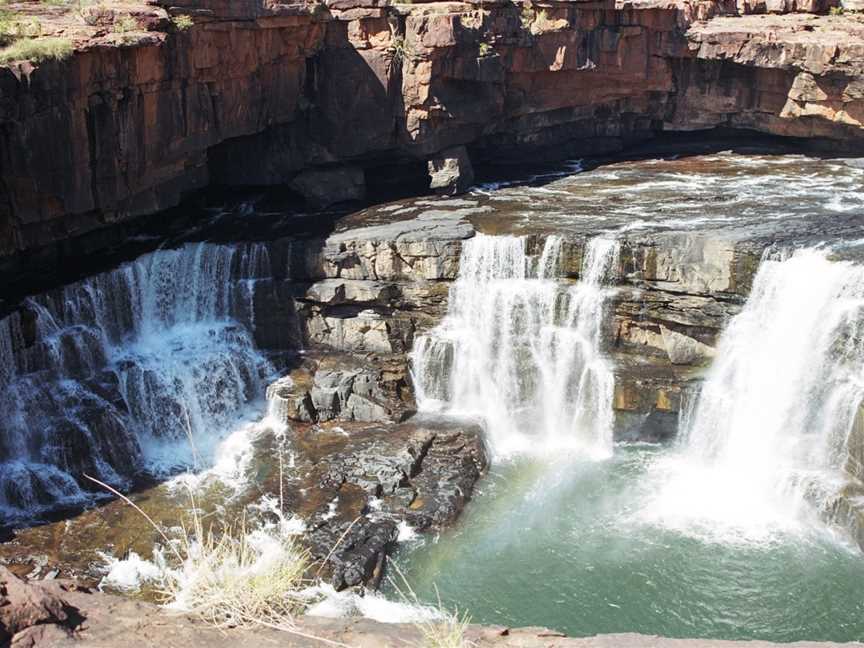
{"type": "Point", "coordinates": [140, 368]}
{"type": "Point", "coordinates": [520, 348]}
{"type": "Point", "coordinates": [767, 437]}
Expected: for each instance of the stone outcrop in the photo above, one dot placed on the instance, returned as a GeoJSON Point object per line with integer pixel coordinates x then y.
{"type": "Point", "coordinates": [34, 613]}
{"type": "Point", "coordinates": [793, 75]}
{"type": "Point", "coordinates": [327, 96]}
{"type": "Point", "coordinates": [419, 474]}
{"type": "Point", "coordinates": [344, 387]}
{"type": "Point", "coordinates": [451, 172]}
{"type": "Point", "coordinates": [103, 618]}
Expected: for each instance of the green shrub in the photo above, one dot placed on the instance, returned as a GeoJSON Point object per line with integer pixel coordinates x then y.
{"type": "Point", "coordinates": [37, 50]}
{"type": "Point", "coordinates": [837, 11]}
{"type": "Point", "coordinates": [182, 23]}
{"type": "Point", "coordinates": [14, 26]}
{"type": "Point", "coordinates": [124, 25]}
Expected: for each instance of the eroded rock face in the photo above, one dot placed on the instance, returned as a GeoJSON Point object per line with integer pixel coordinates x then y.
{"type": "Point", "coordinates": [373, 479]}
{"type": "Point", "coordinates": [33, 613]}
{"type": "Point", "coordinates": [806, 73]}
{"type": "Point", "coordinates": [269, 94]}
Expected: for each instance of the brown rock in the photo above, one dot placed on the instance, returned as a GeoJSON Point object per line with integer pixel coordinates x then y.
{"type": "Point", "coordinates": [451, 171]}
{"type": "Point", "coordinates": [325, 187]}
{"type": "Point", "coordinates": [257, 92]}
{"type": "Point", "coordinates": [25, 605]}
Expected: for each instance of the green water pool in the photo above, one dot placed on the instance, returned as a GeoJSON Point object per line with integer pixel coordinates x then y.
{"type": "Point", "coordinates": [566, 545]}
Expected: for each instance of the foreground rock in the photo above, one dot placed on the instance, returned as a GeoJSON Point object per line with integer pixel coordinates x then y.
{"type": "Point", "coordinates": [376, 481]}
{"type": "Point", "coordinates": [69, 616]}
{"type": "Point", "coordinates": [355, 486]}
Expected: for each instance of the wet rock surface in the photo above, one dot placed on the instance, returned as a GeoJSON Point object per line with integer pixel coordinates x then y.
{"type": "Point", "coordinates": [354, 485]}
{"type": "Point", "coordinates": [104, 620]}
{"type": "Point", "coordinates": [376, 481]}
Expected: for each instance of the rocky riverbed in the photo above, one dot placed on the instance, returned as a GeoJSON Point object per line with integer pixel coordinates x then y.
{"type": "Point", "coordinates": [342, 452]}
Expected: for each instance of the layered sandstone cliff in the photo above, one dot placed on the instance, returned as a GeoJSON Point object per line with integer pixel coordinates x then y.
{"type": "Point", "coordinates": [335, 97]}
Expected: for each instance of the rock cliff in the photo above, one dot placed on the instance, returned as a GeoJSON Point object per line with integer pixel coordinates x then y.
{"type": "Point", "coordinates": [337, 98]}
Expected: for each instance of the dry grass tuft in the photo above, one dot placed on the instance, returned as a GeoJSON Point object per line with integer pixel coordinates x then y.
{"type": "Point", "coordinates": [36, 50]}
{"type": "Point", "coordinates": [231, 580]}
{"type": "Point", "coordinates": [446, 630]}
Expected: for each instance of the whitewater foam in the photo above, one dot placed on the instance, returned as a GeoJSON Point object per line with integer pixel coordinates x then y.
{"type": "Point", "coordinates": [146, 367]}
{"type": "Point", "coordinates": [521, 349]}
{"type": "Point", "coordinates": [371, 605]}
{"type": "Point", "coordinates": [764, 446]}
{"type": "Point", "coordinates": [132, 573]}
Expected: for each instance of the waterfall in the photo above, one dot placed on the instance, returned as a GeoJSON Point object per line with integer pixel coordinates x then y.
{"type": "Point", "coordinates": [140, 369]}
{"type": "Point", "coordinates": [767, 437]}
{"type": "Point", "coordinates": [520, 347]}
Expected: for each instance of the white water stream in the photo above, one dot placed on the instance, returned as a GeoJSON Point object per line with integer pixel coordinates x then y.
{"type": "Point", "coordinates": [764, 445]}
{"type": "Point", "coordinates": [520, 348]}
{"type": "Point", "coordinates": [145, 367]}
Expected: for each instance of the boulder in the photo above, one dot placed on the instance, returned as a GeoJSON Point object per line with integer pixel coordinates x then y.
{"type": "Point", "coordinates": [324, 187]}
{"type": "Point", "coordinates": [25, 605]}
{"type": "Point", "coordinates": [451, 171]}
{"type": "Point", "coordinates": [374, 477]}
{"type": "Point", "coordinates": [364, 549]}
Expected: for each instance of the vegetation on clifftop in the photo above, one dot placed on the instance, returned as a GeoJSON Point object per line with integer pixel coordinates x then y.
{"type": "Point", "coordinates": [21, 38]}
{"type": "Point", "coordinates": [36, 50]}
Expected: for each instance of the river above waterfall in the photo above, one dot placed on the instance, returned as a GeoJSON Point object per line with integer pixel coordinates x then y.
{"type": "Point", "coordinates": [725, 191]}
{"type": "Point", "coordinates": [567, 546]}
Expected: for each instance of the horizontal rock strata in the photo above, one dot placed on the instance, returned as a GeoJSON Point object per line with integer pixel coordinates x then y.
{"type": "Point", "coordinates": [336, 96]}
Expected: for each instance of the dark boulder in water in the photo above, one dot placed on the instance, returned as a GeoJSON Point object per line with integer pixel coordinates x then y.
{"type": "Point", "coordinates": [376, 481]}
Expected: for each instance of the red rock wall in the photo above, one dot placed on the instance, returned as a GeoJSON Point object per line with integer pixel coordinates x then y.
{"type": "Point", "coordinates": [116, 132]}
{"type": "Point", "coordinates": [254, 93]}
